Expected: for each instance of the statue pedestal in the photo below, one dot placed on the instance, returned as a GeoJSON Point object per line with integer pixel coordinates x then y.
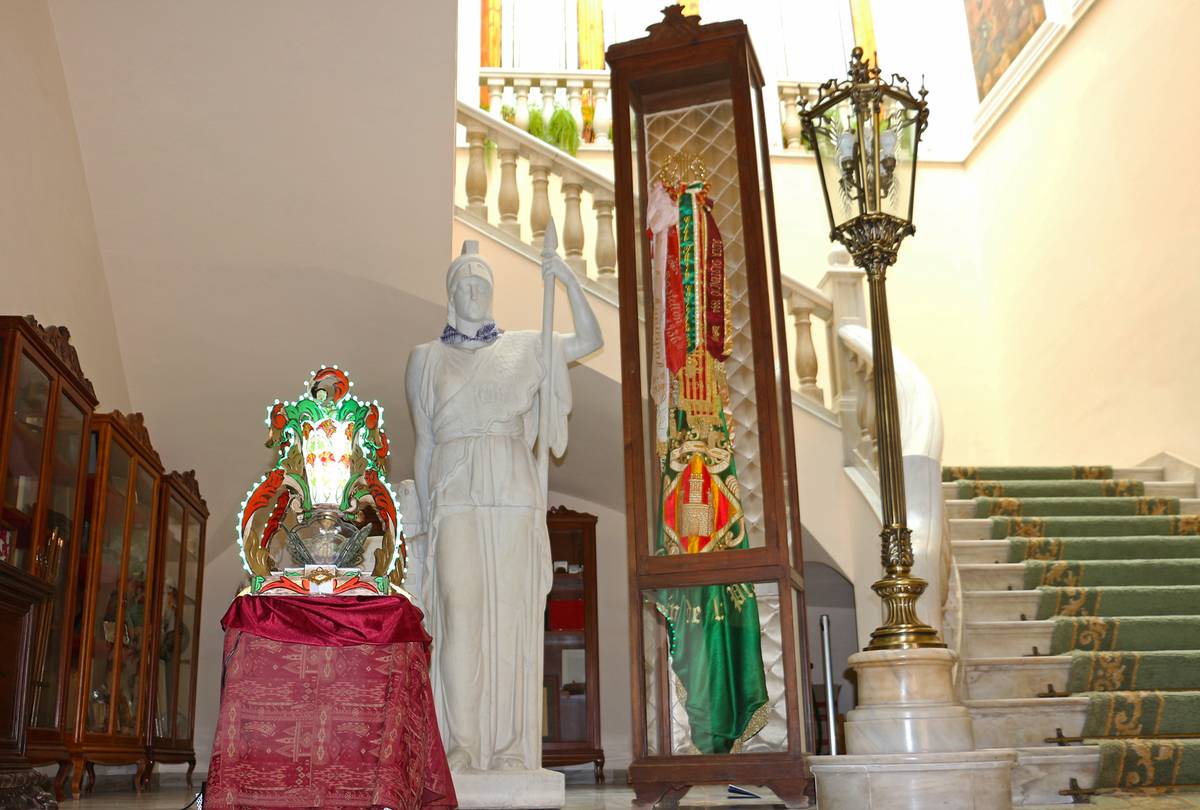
{"type": "Point", "coordinates": [505, 789]}
{"type": "Point", "coordinates": [910, 742]}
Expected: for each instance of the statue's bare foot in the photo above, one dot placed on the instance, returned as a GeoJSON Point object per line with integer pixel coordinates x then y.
{"type": "Point", "coordinates": [459, 760]}
{"type": "Point", "coordinates": [508, 763]}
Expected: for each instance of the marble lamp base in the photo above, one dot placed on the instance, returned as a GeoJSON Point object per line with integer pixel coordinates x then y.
{"type": "Point", "coordinates": [539, 789]}
{"type": "Point", "coordinates": [965, 780]}
{"type": "Point", "coordinates": [907, 704]}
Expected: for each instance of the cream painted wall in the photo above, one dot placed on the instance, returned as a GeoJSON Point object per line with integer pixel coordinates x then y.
{"type": "Point", "coordinates": [1086, 194]}
{"type": "Point", "coordinates": [50, 263]}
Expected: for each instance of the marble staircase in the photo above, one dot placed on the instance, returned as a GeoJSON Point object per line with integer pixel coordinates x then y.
{"type": "Point", "coordinates": [1015, 691]}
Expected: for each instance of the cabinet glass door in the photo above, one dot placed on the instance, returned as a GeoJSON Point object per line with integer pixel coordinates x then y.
{"type": "Point", "coordinates": [106, 641]}
{"type": "Point", "coordinates": [187, 629]}
{"type": "Point", "coordinates": [169, 628]}
{"type": "Point", "coordinates": [27, 428]}
{"type": "Point", "coordinates": [137, 577]}
{"type": "Point", "coordinates": [69, 442]}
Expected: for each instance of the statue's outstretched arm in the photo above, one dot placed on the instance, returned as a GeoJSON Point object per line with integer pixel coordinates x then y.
{"type": "Point", "coordinates": [423, 430]}
{"type": "Point", "coordinates": [587, 337]}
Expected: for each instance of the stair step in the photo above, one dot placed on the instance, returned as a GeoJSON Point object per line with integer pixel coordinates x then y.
{"type": "Point", "coordinates": [1154, 489]}
{"type": "Point", "coordinates": [993, 678]}
{"type": "Point", "coordinates": [1006, 639]}
{"type": "Point", "coordinates": [959, 509]}
{"type": "Point", "coordinates": [1025, 722]}
{"type": "Point", "coordinates": [1138, 473]}
{"type": "Point", "coordinates": [971, 529]}
{"type": "Point", "coordinates": [1042, 771]}
{"type": "Point", "coordinates": [979, 552]}
{"type": "Point", "coordinates": [992, 576]}
{"type": "Point", "coordinates": [999, 606]}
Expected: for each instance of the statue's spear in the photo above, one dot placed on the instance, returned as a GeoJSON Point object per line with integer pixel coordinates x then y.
{"type": "Point", "coordinates": [549, 255]}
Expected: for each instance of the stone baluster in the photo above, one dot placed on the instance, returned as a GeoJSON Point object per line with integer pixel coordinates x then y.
{"type": "Point", "coordinates": [606, 244]}
{"type": "Point", "coordinates": [572, 232]}
{"type": "Point", "coordinates": [575, 102]}
{"type": "Point", "coordinates": [495, 90]}
{"type": "Point", "coordinates": [521, 108]}
{"type": "Point", "coordinates": [602, 115]}
{"type": "Point", "coordinates": [791, 117]}
{"type": "Point", "coordinates": [806, 352]}
{"type": "Point", "coordinates": [548, 86]}
{"type": "Point", "coordinates": [539, 208]}
{"type": "Point", "coordinates": [476, 179]}
{"type": "Point", "coordinates": [509, 199]}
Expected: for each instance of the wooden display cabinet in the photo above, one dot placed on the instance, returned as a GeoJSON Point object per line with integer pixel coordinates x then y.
{"type": "Point", "coordinates": [719, 664]}
{"type": "Point", "coordinates": [182, 518]}
{"type": "Point", "coordinates": [572, 656]}
{"type": "Point", "coordinates": [44, 429]}
{"type": "Point", "coordinates": [108, 712]}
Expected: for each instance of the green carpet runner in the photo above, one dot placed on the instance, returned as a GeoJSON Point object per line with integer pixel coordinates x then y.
{"type": "Point", "coordinates": [1050, 489]}
{"type": "Point", "coordinates": [1091, 573]}
{"type": "Point", "coordinates": [1026, 473]}
{"type": "Point", "coordinates": [1119, 574]}
{"type": "Point", "coordinates": [1067, 507]}
{"type": "Point", "coordinates": [1150, 547]}
{"type": "Point", "coordinates": [1167, 600]}
{"type": "Point", "coordinates": [1103, 526]}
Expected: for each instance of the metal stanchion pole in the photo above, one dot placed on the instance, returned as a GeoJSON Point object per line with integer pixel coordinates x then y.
{"type": "Point", "coordinates": [830, 702]}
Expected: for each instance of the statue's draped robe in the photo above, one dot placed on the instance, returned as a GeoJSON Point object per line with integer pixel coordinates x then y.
{"type": "Point", "coordinates": [488, 569]}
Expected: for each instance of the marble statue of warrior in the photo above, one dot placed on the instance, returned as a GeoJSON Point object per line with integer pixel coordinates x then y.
{"type": "Point", "coordinates": [475, 395]}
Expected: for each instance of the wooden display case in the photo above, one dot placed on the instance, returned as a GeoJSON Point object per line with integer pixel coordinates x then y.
{"type": "Point", "coordinates": [719, 664]}
{"type": "Point", "coordinates": [572, 656]}
{"type": "Point", "coordinates": [108, 713]}
{"type": "Point", "coordinates": [44, 429]}
{"type": "Point", "coordinates": [182, 519]}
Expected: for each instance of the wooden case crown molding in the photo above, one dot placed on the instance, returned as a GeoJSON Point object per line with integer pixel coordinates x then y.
{"type": "Point", "coordinates": [674, 29]}
{"type": "Point", "coordinates": [56, 342]}
{"type": "Point", "coordinates": [132, 427]}
{"type": "Point", "coordinates": [186, 482]}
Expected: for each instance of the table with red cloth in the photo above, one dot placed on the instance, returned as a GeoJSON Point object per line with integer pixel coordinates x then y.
{"type": "Point", "coordinates": [325, 702]}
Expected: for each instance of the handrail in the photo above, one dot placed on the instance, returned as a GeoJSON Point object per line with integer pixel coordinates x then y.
{"type": "Point", "coordinates": [536, 77]}
{"type": "Point", "coordinates": [822, 306]}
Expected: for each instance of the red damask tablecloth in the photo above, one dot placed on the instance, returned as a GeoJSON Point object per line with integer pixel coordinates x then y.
{"type": "Point", "coordinates": [326, 703]}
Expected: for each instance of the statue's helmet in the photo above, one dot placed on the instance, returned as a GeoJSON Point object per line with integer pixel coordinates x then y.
{"type": "Point", "coordinates": [468, 264]}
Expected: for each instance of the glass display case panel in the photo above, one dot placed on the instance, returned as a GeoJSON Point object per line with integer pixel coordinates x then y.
{"type": "Point", "coordinates": [189, 621]}
{"type": "Point", "coordinates": [69, 443]}
{"type": "Point", "coordinates": [137, 578]}
{"type": "Point", "coordinates": [714, 669]}
{"type": "Point", "coordinates": [169, 627]}
{"type": "Point", "coordinates": [106, 641]}
{"type": "Point", "coordinates": [804, 674]}
{"type": "Point", "coordinates": [777, 337]}
{"type": "Point", "coordinates": [26, 440]}
{"type": "Point", "coordinates": [700, 385]}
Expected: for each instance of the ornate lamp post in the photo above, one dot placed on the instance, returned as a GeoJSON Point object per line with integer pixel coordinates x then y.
{"type": "Point", "coordinates": [866, 131]}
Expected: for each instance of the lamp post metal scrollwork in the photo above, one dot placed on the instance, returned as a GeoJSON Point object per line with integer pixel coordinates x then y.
{"type": "Point", "coordinates": [866, 131]}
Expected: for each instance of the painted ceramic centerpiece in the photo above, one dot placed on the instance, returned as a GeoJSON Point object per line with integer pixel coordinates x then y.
{"type": "Point", "coordinates": [326, 502]}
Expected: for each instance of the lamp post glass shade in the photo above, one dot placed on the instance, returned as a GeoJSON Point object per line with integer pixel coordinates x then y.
{"type": "Point", "coordinates": [866, 133]}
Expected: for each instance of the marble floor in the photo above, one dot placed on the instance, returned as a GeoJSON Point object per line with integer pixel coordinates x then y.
{"type": "Point", "coordinates": [579, 797]}
{"type": "Point", "coordinates": [610, 797]}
